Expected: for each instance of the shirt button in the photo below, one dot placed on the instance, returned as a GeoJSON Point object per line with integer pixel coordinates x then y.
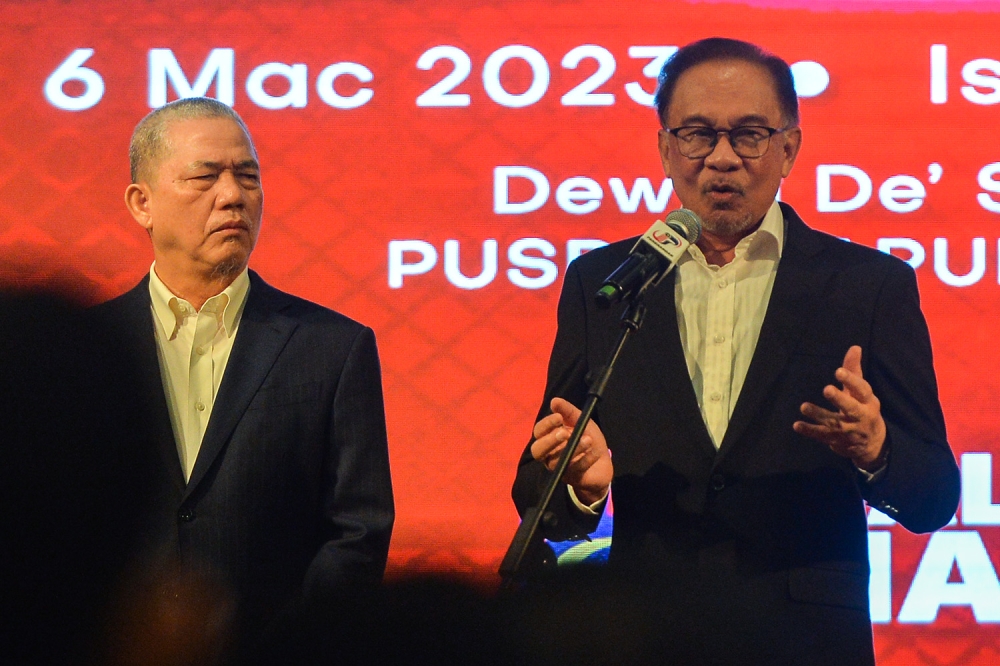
{"type": "Point", "coordinates": [200, 350]}
{"type": "Point", "coordinates": [718, 481]}
{"type": "Point", "coordinates": [719, 339]}
{"type": "Point", "coordinates": [200, 406]}
{"type": "Point", "coordinates": [185, 515]}
{"type": "Point", "coordinates": [722, 284]}
{"type": "Point", "coordinates": [715, 397]}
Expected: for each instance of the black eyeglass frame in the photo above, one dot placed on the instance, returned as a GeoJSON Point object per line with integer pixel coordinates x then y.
{"type": "Point", "coordinates": [710, 148]}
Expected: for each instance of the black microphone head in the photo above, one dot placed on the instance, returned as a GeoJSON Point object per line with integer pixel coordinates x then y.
{"type": "Point", "coordinates": [685, 222]}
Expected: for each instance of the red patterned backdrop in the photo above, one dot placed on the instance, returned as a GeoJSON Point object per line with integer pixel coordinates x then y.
{"type": "Point", "coordinates": [355, 170]}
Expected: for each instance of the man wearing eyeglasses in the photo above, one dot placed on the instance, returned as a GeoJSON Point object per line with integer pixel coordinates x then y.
{"type": "Point", "coordinates": [782, 379]}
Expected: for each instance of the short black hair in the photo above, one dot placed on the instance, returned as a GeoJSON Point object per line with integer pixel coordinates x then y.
{"type": "Point", "coordinates": [721, 48]}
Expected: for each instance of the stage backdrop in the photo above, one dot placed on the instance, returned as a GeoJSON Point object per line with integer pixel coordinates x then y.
{"type": "Point", "coordinates": [431, 167]}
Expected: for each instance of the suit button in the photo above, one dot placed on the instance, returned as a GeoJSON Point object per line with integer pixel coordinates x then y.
{"type": "Point", "coordinates": [185, 515]}
{"type": "Point", "coordinates": [718, 481]}
{"type": "Point", "coordinates": [887, 508]}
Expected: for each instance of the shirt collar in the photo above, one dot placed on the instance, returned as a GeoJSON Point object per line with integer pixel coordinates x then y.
{"type": "Point", "coordinates": [171, 310]}
{"type": "Point", "coordinates": [766, 242]}
{"type": "Point", "coordinates": [769, 239]}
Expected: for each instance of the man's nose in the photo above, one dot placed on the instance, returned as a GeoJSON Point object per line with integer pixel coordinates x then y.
{"type": "Point", "coordinates": [723, 156]}
{"type": "Point", "coordinates": [230, 192]}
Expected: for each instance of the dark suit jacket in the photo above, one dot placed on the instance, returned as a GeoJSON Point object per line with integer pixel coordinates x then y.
{"type": "Point", "coordinates": [759, 548]}
{"type": "Point", "coordinates": [290, 497]}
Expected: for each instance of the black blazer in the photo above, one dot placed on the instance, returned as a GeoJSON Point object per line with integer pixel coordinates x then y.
{"type": "Point", "coordinates": [757, 550]}
{"type": "Point", "coordinates": [290, 498]}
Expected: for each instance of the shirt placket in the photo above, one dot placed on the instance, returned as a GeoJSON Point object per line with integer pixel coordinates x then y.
{"type": "Point", "coordinates": [719, 353]}
{"type": "Point", "coordinates": [200, 385]}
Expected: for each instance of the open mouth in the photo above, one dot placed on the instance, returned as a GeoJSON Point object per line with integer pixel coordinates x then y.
{"type": "Point", "coordinates": [723, 188]}
{"type": "Point", "coordinates": [722, 193]}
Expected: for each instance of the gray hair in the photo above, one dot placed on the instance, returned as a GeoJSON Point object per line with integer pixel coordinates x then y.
{"type": "Point", "coordinates": [148, 140]}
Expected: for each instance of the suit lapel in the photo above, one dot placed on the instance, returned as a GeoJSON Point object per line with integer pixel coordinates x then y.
{"type": "Point", "coordinates": [137, 321]}
{"type": "Point", "coordinates": [794, 299]}
{"type": "Point", "coordinates": [262, 334]}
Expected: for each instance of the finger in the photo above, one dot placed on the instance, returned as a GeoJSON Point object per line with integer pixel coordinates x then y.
{"type": "Point", "coordinates": [852, 360]}
{"type": "Point", "coordinates": [584, 446]}
{"type": "Point", "coordinates": [855, 384]}
{"type": "Point", "coordinates": [582, 460]}
{"type": "Point", "coordinates": [849, 407]}
{"type": "Point", "coordinates": [548, 458]}
{"type": "Point", "coordinates": [566, 409]}
{"type": "Point", "coordinates": [552, 458]}
{"type": "Point", "coordinates": [551, 448]}
{"type": "Point", "coordinates": [818, 414]}
{"type": "Point", "coordinates": [849, 444]}
{"type": "Point", "coordinates": [547, 425]}
{"type": "Point", "coordinates": [813, 431]}
{"type": "Point", "coordinates": [550, 444]}
{"type": "Point", "coordinates": [837, 440]}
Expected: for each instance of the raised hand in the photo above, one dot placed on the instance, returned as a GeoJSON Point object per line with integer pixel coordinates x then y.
{"type": "Point", "coordinates": [856, 430]}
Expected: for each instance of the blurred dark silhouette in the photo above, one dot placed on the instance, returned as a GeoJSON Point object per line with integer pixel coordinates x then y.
{"type": "Point", "coordinates": [70, 481]}
{"type": "Point", "coordinates": [581, 616]}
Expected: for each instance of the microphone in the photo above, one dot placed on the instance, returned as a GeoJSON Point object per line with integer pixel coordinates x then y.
{"type": "Point", "coordinates": [653, 256]}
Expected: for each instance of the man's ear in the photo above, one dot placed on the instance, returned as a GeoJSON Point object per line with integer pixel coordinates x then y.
{"type": "Point", "coordinates": [137, 200]}
{"type": "Point", "coordinates": [663, 140]}
{"type": "Point", "coordinates": [793, 142]}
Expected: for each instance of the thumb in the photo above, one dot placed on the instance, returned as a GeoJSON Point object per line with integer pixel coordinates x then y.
{"type": "Point", "coordinates": [852, 360]}
{"type": "Point", "coordinates": [565, 409]}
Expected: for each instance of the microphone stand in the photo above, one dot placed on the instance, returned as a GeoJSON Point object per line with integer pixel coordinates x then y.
{"type": "Point", "coordinates": [528, 537]}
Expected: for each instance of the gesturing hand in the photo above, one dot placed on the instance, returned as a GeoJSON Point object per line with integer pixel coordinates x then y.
{"type": "Point", "coordinates": [590, 471]}
{"type": "Point", "coordinates": [857, 429]}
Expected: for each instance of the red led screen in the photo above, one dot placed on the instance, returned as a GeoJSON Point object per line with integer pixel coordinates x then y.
{"type": "Point", "coordinates": [431, 167]}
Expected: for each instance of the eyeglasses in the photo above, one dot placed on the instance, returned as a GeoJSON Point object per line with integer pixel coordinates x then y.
{"type": "Point", "coordinates": [747, 141]}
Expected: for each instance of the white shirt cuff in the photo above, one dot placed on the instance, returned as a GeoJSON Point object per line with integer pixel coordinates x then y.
{"type": "Point", "coordinates": [595, 509]}
{"type": "Point", "coordinates": [872, 477]}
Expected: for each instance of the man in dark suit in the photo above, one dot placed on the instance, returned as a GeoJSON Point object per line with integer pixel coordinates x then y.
{"type": "Point", "coordinates": [740, 472]}
{"type": "Point", "coordinates": [272, 480]}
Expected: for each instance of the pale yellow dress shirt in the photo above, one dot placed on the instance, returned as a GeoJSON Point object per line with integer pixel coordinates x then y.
{"type": "Point", "coordinates": [193, 348]}
{"type": "Point", "coordinates": [720, 310]}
